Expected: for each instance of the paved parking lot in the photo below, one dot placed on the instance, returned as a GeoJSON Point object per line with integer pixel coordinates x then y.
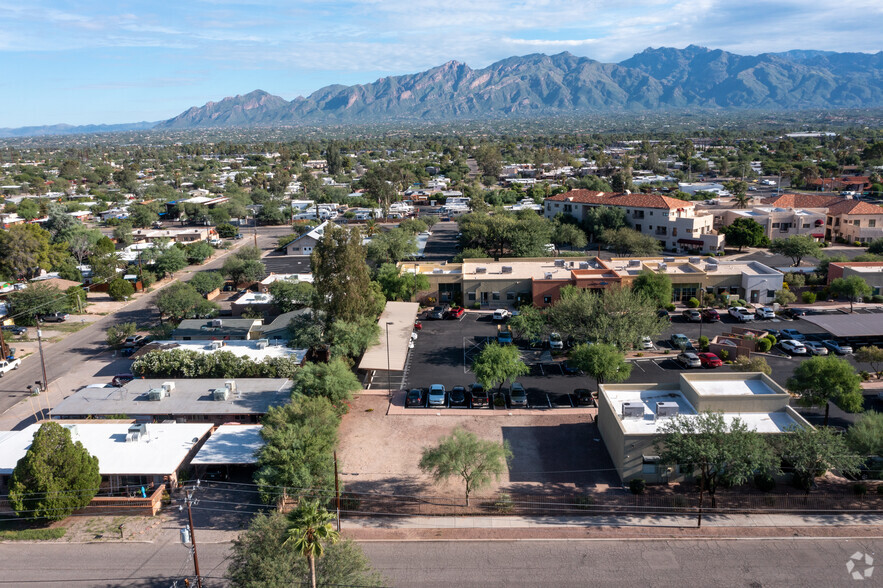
{"type": "Point", "coordinates": [444, 350]}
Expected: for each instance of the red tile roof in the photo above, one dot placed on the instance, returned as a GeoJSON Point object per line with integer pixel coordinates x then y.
{"type": "Point", "coordinates": [854, 207]}
{"type": "Point", "coordinates": [802, 200]}
{"type": "Point", "coordinates": [635, 200]}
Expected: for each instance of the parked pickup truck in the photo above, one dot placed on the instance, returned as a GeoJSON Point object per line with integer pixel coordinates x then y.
{"type": "Point", "coordinates": [741, 314]}
{"type": "Point", "coordinates": [7, 365]}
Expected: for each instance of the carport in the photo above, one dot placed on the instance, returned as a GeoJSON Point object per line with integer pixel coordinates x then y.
{"type": "Point", "coordinates": [859, 329]}
{"type": "Point", "coordinates": [390, 353]}
{"type": "Point", "coordinates": [231, 450]}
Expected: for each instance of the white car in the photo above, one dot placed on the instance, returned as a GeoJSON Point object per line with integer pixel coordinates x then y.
{"type": "Point", "coordinates": [793, 347]}
{"type": "Point", "coordinates": [555, 341]}
{"type": "Point", "coordinates": [765, 313]}
{"type": "Point", "coordinates": [741, 314]}
{"type": "Point", "coordinates": [501, 314]}
{"type": "Point", "coordinates": [646, 343]}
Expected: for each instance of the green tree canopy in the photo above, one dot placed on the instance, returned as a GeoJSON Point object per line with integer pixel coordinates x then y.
{"type": "Point", "coordinates": [602, 218]}
{"type": "Point", "coordinates": [820, 380]}
{"type": "Point", "coordinates": [37, 299]}
{"type": "Point", "coordinates": [206, 281]}
{"type": "Point", "coordinates": [625, 241]}
{"type": "Point", "coordinates": [333, 380]}
{"type": "Point", "coordinates": [198, 252]}
{"type": "Point", "coordinates": [24, 250]}
{"type": "Point", "coordinates": [796, 247]}
{"type": "Point", "coordinates": [392, 246]}
{"type": "Point", "coordinates": [340, 276]}
{"type": "Point", "coordinates": [812, 452]}
{"type": "Point", "coordinates": [476, 461]}
{"type": "Point", "coordinates": [116, 335]}
{"type": "Point", "coordinates": [601, 361]}
{"type": "Point", "coordinates": [352, 338]}
{"type": "Point", "coordinates": [300, 438]}
{"type": "Point", "coordinates": [55, 477]}
{"type": "Point", "coordinates": [120, 289]}
{"type": "Point", "coordinates": [744, 232]}
{"type": "Point", "coordinates": [720, 452]}
{"type": "Point", "coordinates": [258, 559]}
{"type": "Point", "coordinates": [852, 287]}
{"type": "Point", "coordinates": [243, 271]}
{"type": "Point", "coordinates": [496, 364]}
{"type": "Point", "coordinates": [871, 355]}
{"type": "Point", "coordinates": [529, 323]}
{"type": "Point", "coordinates": [309, 528]}
{"type": "Point", "coordinates": [758, 363]}
{"type": "Point", "coordinates": [400, 285]}
{"type": "Point", "coordinates": [656, 286]}
{"type": "Point", "coordinates": [290, 295]}
{"type": "Point", "coordinates": [172, 260]}
{"type": "Point", "coordinates": [181, 300]}
{"type": "Point", "coordinates": [865, 437]}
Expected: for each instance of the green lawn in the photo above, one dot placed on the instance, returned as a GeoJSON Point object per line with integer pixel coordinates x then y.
{"type": "Point", "coordinates": [32, 534]}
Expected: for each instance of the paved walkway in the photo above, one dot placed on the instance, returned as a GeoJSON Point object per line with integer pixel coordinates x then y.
{"type": "Point", "coordinates": [685, 520]}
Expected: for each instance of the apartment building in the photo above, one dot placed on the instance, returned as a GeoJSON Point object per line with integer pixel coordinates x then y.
{"type": "Point", "coordinates": [845, 218]}
{"type": "Point", "coordinates": [673, 222]}
{"type": "Point", "coordinates": [780, 223]}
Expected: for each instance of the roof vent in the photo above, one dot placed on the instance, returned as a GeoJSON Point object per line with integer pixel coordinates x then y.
{"type": "Point", "coordinates": [481, 270]}
{"type": "Point", "coordinates": [559, 263]}
{"type": "Point", "coordinates": [632, 410]}
{"type": "Point", "coordinates": [506, 269]}
{"type": "Point", "coordinates": [667, 409]}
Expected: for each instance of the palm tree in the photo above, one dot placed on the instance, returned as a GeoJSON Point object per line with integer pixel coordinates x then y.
{"type": "Point", "coordinates": [308, 527]}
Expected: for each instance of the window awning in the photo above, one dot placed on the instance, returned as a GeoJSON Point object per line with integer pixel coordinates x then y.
{"type": "Point", "coordinates": [818, 235]}
{"type": "Point", "coordinates": [691, 241]}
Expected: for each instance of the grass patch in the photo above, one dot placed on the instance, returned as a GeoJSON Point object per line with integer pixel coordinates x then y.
{"type": "Point", "coordinates": [33, 534]}
{"type": "Point", "coordinates": [68, 327]}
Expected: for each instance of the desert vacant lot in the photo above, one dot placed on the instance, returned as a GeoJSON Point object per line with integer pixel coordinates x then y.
{"type": "Point", "coordinates": [555, 453]}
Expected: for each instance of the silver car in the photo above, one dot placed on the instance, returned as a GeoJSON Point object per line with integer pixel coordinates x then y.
{"type": "Point", "coordinates": [689, 360]}
{"type": "Point", "coordinates": [815, 348]}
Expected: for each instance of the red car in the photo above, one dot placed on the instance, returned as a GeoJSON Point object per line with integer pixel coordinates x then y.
{"type": "Point", "coordinates": [711, 315]}
{"type": "Point", "coordinates": [455, 312]}
{"type": "Point", "coordinates": [710, 360]}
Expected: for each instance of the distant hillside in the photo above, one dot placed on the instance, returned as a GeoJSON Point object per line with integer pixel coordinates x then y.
{"type": "Point", "coordinates": [655, 79]}
{"type": "Point", "coordinates": [73, 130]}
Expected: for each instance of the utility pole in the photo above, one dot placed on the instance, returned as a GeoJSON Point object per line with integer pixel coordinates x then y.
{"type": "Point", "coordinates": [45, 384]}
{"type": "Point", "coordinates": [254, 217]}
{"type": "Point", "coordinates": [337, 491]}
{"type": "Point", "coordinates": [4, 348]}
{"type": "Point", "coordinates": [188, 498]}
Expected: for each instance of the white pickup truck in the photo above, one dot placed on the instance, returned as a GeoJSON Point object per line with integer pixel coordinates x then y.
{"type": "Point", "coordinates": [741, 314]}
{"type": "Point", "coordinates": [5, 366]}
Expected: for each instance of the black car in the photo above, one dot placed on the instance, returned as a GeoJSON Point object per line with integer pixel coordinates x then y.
{"type": "Point", "coordinates": [479, 395]}
{"type": "Point", "coordinates": [794, 313]}
{"type": "Point", "coordinates": [569, 369]}
{"type": "Point", "coordinates": [15, 329]}
{"type": "Point", "coordinates": [457, 396]}
{"type": "Point", "coordinates": [438, 313]}
{"type": "Point", "coordinates": [662, 313]}
{"type": "Point", "coordinates": [584, 397]}
{"type": "Point", "coordinates": [414, 397]}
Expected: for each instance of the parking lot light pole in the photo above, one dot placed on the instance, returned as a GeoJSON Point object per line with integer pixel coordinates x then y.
{"type": "Point", "coordinates": [388, 370]}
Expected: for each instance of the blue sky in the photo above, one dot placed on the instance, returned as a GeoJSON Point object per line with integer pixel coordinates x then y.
{"type": "Point", "coordinates": [85, 61]}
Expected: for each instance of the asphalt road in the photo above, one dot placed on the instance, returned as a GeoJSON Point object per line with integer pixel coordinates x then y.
{"type": "Point", "coordinates": [737, 563]}
{"type": "Point", "coordinates": [61, 357]}
{"type": "Point", "coordinates": [622, 563]}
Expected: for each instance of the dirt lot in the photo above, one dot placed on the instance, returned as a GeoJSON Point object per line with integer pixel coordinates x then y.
{"type": "Point", "coordinates": [552, 453]}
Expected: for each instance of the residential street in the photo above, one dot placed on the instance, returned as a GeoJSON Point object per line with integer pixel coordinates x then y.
{"type": "Point", "coordinates": [64, 356]}
{"type": "Point", "coordinates": [721, 563]}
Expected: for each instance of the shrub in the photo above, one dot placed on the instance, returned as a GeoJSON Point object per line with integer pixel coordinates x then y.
{"type": "Point", "coordinates": [808, 297]}
{"type": "Point", "coordinates": [772, 339]}
{"type": "Point", "coordinates": [864, 375]}
{"type": "Point", "coordinates": [860, 489]}
{"type": "Point", "coordinates": [703, 343]}
{"type": "Point", "coordinates": [120, 289]}
{"type": "Point", "coordinates": [670, 307]}
{"type": "Point", "coordinates": [724, 354]}
{"type": "Point", "coordinates": [693, 303]}
{"type": "Point", "coordinates": [764, 482]}
{"type": "Point", "coordinates": [637, 486]}
{"type": "Point", "coordinates": [583, 501]}
{"type": "Point", "coordinates": [878, 298]}
{"type": "Point", "coordinates": [742, 302]}
{"type": "Point", "coordinates": [764, 345]}
{"type": "Point", "coordinates": [504, 504]}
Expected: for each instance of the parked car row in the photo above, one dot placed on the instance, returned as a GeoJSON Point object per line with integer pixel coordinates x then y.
{"type": "Point", "coordinates": [444, 311]}
{"type": "Point", "coordinates": [689, 359]}
{"type": "Point", "coordinates": [437, 396]}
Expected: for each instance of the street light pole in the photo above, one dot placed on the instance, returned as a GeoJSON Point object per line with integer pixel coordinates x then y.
{"type": "Point", "coordinates": [388, 364]}
{"type": "Point", "coordinates": [45, 385]}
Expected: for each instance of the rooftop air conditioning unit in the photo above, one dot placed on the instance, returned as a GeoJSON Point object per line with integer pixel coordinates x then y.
{"type": "Point", "coordinates": [217, 323]}
{"type": "Point", "coordinates": [73, 429]}
{"type": "Point", "coordinates": [548, 275]}
{"type": "Point", "coordinates": [220, 394]}
{"type": "Point", "coordinates": [671, 259]}
{"type": "Point", "coordinates": [437, 270]}
{"type": "Point", "coordinates": [667, 409]}
{"type": "Point", "coordinates": [584, 265]}
{"type": "Point", "coordinates": [663, 266]}
{"type": "Point", "coordinates": [481, 270]}
{"type": "Point", "coordinates": [156, 394]}
{"type": "Point", "coordinates": [634, 262]}
{"type": "Point", "coordinates": [262, 343]}
{"type": "Point", "coordinates": [559, 263]}
{"type": "Point", "coordinates": [506, 269]}
{"type": "Point", "coordinates": [632, 410]}
{"type": "Point", "coordinates": [694, 259]}
{"type": "Point", "coordinates": [133, 437]}
{"type": "Point", "coordinates": [230, 385]}
{"type": "Point", "coordinates": [140, 428]}
{"type": "Point", "coordinates": [214, 345]}
{"type": "Point", "coordinates": [168, 387]}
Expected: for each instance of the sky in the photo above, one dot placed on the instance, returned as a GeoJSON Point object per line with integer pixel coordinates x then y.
{"type": "Point", "coordinates": [92, 62]}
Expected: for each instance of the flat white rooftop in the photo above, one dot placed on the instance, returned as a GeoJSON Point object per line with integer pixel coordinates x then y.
{"type": "Point", "coordinates": [161, 451]}
{"type": "Point", "coordinates": [249, 349]}
{"type": "Point", "coordinates": [731, 387]}
{"type": "Point", "coordinates": [231, 445]}
{"type": "Point", "coordinates": [762, 422]}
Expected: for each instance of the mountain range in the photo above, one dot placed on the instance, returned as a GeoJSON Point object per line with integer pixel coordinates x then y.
{"type": "Point", "coordinates": [564, 84]}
